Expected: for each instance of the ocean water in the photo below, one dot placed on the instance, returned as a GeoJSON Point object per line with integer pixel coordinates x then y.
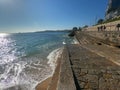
{"type": "Point", "coordinates": [26, 59]}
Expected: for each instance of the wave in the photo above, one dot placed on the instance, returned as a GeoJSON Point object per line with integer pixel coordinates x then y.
{"type": "Point", "coordinates": [53, 57]}
{"type": "Point", "coordinates": [25, 76]}
{"type": "Point", "coordinates": [31, 58]}
{"type": "Point", "coordinates": [10, 77]}
{"type": "Point", "coordinates": [75, 41]}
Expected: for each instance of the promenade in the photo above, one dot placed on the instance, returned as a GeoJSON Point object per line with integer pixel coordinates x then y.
{"type": "Point", "coordinates": [93, 71]}
{"type": "Point", "coordinates": [89, 65]}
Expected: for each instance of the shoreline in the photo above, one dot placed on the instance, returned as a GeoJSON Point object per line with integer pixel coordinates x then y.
{"type": "Point", "coordinates": [51, 82]}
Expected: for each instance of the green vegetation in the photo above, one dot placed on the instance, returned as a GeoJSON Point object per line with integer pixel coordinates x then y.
{"type": "Point", "coordinates": [75, 28]}
{"type": "Point", "coordinates": [111, 10]}
{"type": "Point", "coordinates": [101, 21]}
{"type": "Point", "coordinates": [112, 20]}
{"type": "Point", "coordinates": [86, 26]}
{"type": "Point", "coordinates": [80, 29]}
{"type": "Point", "coordinates": [72, 32]}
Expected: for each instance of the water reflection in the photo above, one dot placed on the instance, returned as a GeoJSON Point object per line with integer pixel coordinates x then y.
{"type": "Point", "coordinates": [7, 50]}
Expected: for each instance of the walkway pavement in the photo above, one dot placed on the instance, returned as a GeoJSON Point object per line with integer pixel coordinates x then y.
{"type": "Point", "coordinates": [92, 64]}
{"type": "Point", "coordinates": [92, 71]}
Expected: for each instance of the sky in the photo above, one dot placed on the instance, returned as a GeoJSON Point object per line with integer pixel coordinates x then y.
{"type": "Point", "coordinates": [38, 15]}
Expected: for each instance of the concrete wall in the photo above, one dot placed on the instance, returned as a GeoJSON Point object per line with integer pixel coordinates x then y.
{"type": "Point", "coordinates": [112, 36]}
{"type": "Point", "coordinates": [109, 26]}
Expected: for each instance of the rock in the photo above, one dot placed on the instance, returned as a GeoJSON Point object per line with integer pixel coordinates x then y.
{"type": "Point", "coordinates": [113, 9]}
{"type": "Point", "coordinates": [72, 33]}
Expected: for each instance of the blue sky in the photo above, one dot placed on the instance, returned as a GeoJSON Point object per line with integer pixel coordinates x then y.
{"type": "Point", "coordinates": [37, 15]}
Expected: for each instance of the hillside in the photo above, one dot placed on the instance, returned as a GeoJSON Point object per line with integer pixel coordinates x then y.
{"type": "Point", "coordinates": [113, 9]}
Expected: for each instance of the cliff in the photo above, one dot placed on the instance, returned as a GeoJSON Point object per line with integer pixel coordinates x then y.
{"type": "Point", "coordinates": [113, 9]}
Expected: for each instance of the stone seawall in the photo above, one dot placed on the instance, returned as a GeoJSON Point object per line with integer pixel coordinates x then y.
{"type": "Point", "coordinates": [108, 37]}
{"type": "Point", "coordinates": [109, 26]}
{"type": "Point", "coordinates": [63, 78]}
{"type": "Point", "coordinates": [90, 65]}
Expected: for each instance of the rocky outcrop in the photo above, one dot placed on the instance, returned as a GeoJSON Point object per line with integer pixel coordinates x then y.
{"type": "Point", "coordinates": [113, 9]}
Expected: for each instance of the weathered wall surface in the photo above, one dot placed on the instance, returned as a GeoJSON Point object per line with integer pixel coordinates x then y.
{"type": "Point", "coordinates": [109, 26]}
{"type": "Point", "coordinates": [112, 37]}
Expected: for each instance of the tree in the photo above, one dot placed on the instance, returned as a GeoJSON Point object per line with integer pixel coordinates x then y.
{"type": "Point", "coordinates": [86, 26]}
{"type": "Point", "coordinates": [100, 21]}
{"type": "Point", "coordinates": [75, 28]}
{"type": "Point", "coordinates": [80, 29]}
{"type": "Point", "coordinates": [72, 33]}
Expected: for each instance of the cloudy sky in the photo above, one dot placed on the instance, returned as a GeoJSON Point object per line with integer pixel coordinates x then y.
{"type": "Point", "coordinates": [37, 15]}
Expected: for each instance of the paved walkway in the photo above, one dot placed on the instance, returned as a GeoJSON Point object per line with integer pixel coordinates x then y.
{"type": "Point", "coordinates": [92, 71]}
{"type": "Point", "coordinates": [93, 64]}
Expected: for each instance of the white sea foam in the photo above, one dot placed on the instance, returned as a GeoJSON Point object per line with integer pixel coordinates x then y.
{"type": "Point", "coordinates": [10, 77]}
{"type": "Point", "coordinates": [30, 70]}
{"type": "Point", "coordinates": [75, 41]}
{"type": "Point", "coordinates": [52, 62]}
{"type": "Point", "coordinates": [64, 43]}
{"type": "Point", "coordinates": [53, 56]}
{"type": "Point", "coordinates": [14, 77]}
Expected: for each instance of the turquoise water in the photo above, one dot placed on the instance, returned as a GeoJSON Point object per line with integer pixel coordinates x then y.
{"type": "Point", "coordinates": [28, 58]}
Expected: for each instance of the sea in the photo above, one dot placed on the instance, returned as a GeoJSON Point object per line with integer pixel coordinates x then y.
{"type": "Point", "coordinates": [27, 59]}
